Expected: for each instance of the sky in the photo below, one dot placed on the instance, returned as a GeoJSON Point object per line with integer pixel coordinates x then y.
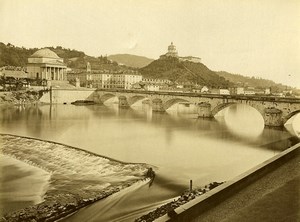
{"type": "Point", "coordinates": [258, 38]}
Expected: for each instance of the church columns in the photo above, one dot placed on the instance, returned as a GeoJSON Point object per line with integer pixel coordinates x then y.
{"type": "Point", "coordinates": [57, 73]}
{"type": "Point", "coordinates": [45, 71]}
{"type": "Point", "coordinates": [53, 73]}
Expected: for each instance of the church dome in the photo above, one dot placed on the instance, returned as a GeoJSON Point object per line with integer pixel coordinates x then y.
{"type": "Point", "coordinates": [45, 53]}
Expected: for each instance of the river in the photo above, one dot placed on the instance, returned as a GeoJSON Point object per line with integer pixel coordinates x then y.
{"type": "Point", "coordinates": [179, 146]}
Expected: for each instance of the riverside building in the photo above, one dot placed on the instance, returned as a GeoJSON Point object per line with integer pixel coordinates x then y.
{"type": "Point", "coordinates": [46, 64]}
{"type": "Point", "coordinates": [123, 80]}
{"type": "Point", "coordinates": [107, 79]}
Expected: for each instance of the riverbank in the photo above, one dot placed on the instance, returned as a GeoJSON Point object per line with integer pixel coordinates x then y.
{"type": "Point", "coordinates": [19, 97]}
{"type": "Point", "coordinates": [171, 206]}
{"type": "Point", "coordinates": [78, 178]}
{"type": "Point", "coordinates": [274, 197]}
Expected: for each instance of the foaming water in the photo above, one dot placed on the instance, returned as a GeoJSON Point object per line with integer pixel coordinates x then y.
{"type": "Point", "coordinates": [103, 209]}
{"type": "Point", "coordinates": [21, 184]}
{"type": "Point", "coordinates": [68, 168]}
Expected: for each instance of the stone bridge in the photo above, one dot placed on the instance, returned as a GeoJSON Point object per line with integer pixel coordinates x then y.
{"type": "Point", "coordinates": [274, 110]}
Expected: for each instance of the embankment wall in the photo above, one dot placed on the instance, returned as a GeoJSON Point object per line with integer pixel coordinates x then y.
{"type": "Point", "coordinates": [196, 207]}
{"type": "Point", "coordinates": [66, 96]}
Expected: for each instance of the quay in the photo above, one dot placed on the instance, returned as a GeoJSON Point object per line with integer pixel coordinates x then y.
{"type": "Point", "coordinates": [267, 192]}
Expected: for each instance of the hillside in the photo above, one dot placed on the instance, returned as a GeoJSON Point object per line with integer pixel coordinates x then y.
{"type": "Point", "coordinates": [11, 55]}
{"type": "Point", "coordinates": [258, 83]}
{"type": "Point", "coordinates": [175, 70]}
{"type": "Point", "coordinates": [131, 60]}
{"type": "Point", "coordinates": [14, 56]}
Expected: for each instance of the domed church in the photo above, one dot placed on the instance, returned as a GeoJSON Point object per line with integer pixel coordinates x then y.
{"type": "Point", "coordinates": [46, 64]}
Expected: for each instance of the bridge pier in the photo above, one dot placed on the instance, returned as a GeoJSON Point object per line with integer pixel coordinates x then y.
{"type": "Point", "coordinates": [273, 117]}
{"type": "Point", "coordinates": [157, 105]}
{"type": "Point", "coordinates": [204, 110]}
{"type": "Point", "coordinates": [96, 98]}
{"type": "Point", "coordinates": [123, 103]}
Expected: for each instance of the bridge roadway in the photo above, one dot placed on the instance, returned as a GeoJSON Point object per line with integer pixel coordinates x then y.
{"type": "Point", "coordinates": [276, 111]}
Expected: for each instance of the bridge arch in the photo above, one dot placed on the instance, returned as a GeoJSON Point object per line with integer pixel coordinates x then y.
{"type": "Point", "coordinates": [106, 97]}
{"type": "Point", "coordinates": [290, 115]}
{"type": "Point", "coordinates": [172, 102]}
{"type": "Point", "coordinates": [133, 99]}
{"type": "Point", "coordinates": [222, 106]}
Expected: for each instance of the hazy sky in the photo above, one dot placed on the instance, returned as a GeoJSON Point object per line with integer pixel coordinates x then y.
{"type": "Point", "coordinates": [250, 37]}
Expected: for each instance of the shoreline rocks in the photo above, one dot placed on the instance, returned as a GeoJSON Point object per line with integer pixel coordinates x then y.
{"type": "Point", "coordinates": [184, 198]}
{"type": "Point", "coordinates": [20, 97]}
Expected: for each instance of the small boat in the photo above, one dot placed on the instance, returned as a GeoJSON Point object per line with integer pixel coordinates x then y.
{"type": "Point", "coordinates": [83, 102]}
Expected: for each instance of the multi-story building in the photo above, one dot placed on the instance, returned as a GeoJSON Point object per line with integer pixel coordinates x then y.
{"type": "Point", "coordinates": [107, 79]}
{"type": "Point", "coordinates": [156, 81]}
{"type": "Point", "coordinates": [123, 80]}
{"type": "Point", "coordinates": [85, 78]}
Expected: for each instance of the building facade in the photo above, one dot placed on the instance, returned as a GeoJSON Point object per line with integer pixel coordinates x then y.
{"type": "Point", "coordinates": [46, 64]}
{"type": "Point", "coordinates": [107, 80]}
{"type": "Point", "coordinates": [115, 80]}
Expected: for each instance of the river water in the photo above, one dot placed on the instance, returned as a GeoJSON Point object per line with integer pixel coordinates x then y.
{"type": "Point", "coordinates": [180, 147]}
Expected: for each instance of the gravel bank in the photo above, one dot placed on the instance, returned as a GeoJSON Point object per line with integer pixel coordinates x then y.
{"type": "Point", "coordinates": [183, 199]}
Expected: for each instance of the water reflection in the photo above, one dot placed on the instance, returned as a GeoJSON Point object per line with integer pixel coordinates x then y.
{"type": "Point", "coordinates": [244, 121]}
{"type": "Point", "coordinates": [179, 144]}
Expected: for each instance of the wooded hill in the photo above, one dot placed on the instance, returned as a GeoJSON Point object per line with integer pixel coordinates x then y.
{"type": "Point", "coordinates": [183, 71]}
{"type": "Point", "coordinates": [258, 83]}
{"type": "Point", "coordinates": [11, 55]}
{"type": "Point", "coordinates": [131, 60]}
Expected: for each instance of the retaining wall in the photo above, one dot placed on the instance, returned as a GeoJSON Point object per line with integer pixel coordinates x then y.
{"type": "Point", "coordinates": [66, 96]}
{"type": "Point", "coordinates": [196, 207]}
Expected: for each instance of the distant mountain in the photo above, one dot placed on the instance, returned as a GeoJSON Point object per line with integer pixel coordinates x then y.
{"type": "Point", "coordinates": [131, 60]}
{"type": "Point", "coordinates": [184, 71]}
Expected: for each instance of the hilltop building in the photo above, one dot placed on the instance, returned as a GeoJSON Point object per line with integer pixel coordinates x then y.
{"type": "Point", "coordinates": [172, 52]}
{"type": "Point", "coordinates": [46, 64]}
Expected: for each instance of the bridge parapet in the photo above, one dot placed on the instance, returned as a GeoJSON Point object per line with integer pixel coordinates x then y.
{"type": "Point", "coordinates": [274, 110]}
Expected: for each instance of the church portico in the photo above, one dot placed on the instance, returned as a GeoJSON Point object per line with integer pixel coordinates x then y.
{"type": "Point", "coordinates": [45, 64]}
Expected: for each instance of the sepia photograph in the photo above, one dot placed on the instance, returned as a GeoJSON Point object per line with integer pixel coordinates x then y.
{"type": "Point", "coordinates": [149, 110]}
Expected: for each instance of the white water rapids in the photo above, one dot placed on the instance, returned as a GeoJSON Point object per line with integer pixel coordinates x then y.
{"type": "Point", "coordinates": [71, 170]}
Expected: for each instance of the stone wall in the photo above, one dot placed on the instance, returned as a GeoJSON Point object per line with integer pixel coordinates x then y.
{"type": "Point", "coordinates": [66, 96]}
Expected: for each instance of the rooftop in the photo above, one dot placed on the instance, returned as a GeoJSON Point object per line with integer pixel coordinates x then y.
{"type": "Point", "coordinates": [45, 53]}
